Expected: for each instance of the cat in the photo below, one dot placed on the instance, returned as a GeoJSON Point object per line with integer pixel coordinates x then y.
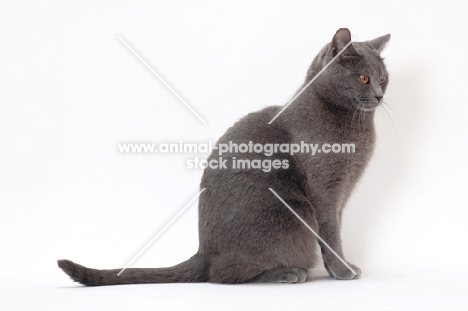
{"type": "Point", "coordinates": [246, 234]}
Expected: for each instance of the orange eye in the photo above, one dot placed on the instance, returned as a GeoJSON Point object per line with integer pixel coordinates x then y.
{"type": "Point", "coordinates": [383, 80]}
{"type": "Point", "coordinates": [364, 79]}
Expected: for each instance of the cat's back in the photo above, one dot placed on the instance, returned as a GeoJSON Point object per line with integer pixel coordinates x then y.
{"type": "Point", "coordinates": [254, 127]}
{"type": "Point", "coordinates": [238, 145]}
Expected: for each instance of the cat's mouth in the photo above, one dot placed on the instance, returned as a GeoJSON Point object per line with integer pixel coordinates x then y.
{"type": "Point", "coordinates": [366, 105]}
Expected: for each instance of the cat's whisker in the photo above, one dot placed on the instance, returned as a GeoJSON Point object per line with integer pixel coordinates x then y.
{"type": "Point", "coordinates": [385, 114]}
{"type": "Point", "coordinates": [354, 115]}
{"type": "Point", "coordinates": [395, 111]}
{"type": "Point", "coordinates": [361, 120]}
{"type": "Point", "coordinates": [390, 102]}
{"type": "Point", "coordinates": [393, 108]}
{"type": "Point", "coordinates": [393, 115]}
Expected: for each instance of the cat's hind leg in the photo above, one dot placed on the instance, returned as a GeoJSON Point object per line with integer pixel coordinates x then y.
{"type": "Point", "coordinates": [282, 275]}
{"type": "Point", "coordinates": [234, 268]}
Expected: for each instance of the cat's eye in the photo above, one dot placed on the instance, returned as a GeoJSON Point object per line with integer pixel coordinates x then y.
{"type": "Point", "coordinates": [364, 79]}
{"type": "Point", "coordinates": [383, 80]}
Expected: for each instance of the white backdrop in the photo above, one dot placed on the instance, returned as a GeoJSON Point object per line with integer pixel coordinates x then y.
{"type": "Point", "coordinates": [70, 91]}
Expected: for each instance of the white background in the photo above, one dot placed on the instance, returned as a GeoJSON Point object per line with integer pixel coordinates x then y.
{"type": "Point", "coordinates": [70, 91]}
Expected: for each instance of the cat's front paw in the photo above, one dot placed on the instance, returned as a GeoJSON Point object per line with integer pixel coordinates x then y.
{"type": "Point", "coordinates": [340, 272]}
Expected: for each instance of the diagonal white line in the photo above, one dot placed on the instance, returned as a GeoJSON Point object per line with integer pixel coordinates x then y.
{"type": "Point", "coordinates": [310, 82]}
{"type": "Point", "coordinates": [162, 80]}
{"type": "Point", "coordinates": [160, 232]}
{"type": "Point", "coordinates": [315, 233]}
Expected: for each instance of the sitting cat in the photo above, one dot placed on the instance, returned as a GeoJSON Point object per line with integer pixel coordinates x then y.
{"type": "Point", "coordinates": [246, 233]}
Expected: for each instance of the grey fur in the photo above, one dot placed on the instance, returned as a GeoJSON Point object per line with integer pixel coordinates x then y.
{"type": "Point", "coordinates": [246, 234]}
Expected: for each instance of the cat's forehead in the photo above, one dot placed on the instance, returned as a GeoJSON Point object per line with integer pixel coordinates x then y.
{"type": "Point", "coordinates": [371, 59]}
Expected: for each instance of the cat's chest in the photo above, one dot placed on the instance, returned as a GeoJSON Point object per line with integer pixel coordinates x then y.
{"type": "Point", "coordinates": [350, 151]}
{"type": "Point", "coordinates": [339, 158]}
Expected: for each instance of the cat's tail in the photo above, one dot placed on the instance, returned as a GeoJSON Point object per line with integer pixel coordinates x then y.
{"type": "Point", "coordinates": [192, 270]}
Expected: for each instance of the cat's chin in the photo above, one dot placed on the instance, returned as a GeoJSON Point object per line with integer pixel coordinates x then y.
{"type": "Point", "coordinates": [366, 109]}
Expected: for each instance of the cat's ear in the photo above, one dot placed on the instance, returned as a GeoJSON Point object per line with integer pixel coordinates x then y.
{"type": "Point", "coordinates": [341, 38]}
{"type": "Point", "coordinates": [379, 43]}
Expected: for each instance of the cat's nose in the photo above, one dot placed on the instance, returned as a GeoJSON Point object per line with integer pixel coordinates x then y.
{"type": "Point", "coordinates": [379, 97]}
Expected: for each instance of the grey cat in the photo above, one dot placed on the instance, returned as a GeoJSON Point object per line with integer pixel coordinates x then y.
{"type": "Point", "coordinates": [246, 234]}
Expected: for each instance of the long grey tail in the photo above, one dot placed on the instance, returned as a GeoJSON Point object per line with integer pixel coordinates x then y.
{"type": "Point", "coordinates": [192, 270]}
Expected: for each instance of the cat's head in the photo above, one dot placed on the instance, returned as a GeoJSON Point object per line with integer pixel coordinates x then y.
{"type": "Point", "coordinates": [357, 79]}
